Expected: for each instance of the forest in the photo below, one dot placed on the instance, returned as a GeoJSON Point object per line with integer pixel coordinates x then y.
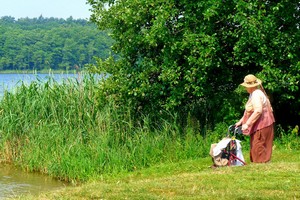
{"type": "Point", "coordinates": [50, 43]}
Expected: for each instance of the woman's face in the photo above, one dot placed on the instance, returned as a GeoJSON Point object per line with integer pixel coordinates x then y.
{"type": "Point", "coordinates": [250, 90]}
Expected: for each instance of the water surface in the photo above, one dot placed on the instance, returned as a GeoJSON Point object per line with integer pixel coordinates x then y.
{"type": "Point", "coordinates": [15, 182]}
{"type": "Point", "coordinates": [10, 81]}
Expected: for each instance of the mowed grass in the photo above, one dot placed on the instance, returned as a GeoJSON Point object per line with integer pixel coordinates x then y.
{"type": "Point", "coordinates": [195, 179]}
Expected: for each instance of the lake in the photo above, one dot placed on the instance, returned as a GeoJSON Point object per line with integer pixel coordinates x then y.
{"type": "Point", "coordinates": [15, 182]}
{"type": "Point", "coordinates": [11, 81]}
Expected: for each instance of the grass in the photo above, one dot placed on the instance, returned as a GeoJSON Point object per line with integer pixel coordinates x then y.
{"type": "Point", "coordinates": [194, 179]}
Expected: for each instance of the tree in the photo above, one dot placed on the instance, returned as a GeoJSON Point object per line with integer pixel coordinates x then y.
{"type": "Point", "coordinates": [191, 55]}
{"type": "Point", "coordinates": [269, 38]}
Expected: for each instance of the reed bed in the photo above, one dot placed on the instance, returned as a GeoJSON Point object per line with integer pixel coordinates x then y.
{"type": "Point", "coordinates": [69, 130]}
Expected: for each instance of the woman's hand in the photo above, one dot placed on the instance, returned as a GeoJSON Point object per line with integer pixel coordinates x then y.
{"type": "Point", "coordinates": [238, 124]}
{"type": "Point", "coordinates": [245, 127]}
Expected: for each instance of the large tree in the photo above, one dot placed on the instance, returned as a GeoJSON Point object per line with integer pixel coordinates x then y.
{"type": "Point", "coordinates": [181, 54]}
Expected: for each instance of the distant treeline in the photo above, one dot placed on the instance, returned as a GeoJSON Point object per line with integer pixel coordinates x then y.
{"type": "Point", "coordinates": [56, 43]}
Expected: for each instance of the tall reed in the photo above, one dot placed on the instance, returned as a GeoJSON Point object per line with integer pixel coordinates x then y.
{"type": "Point", "coordinates": [68, 131]}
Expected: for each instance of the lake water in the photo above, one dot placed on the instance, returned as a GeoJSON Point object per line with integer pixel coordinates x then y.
{"type": "Point", "coordinates": [13, 181]}
{"type": "Point", "coordinates": [10, 81]}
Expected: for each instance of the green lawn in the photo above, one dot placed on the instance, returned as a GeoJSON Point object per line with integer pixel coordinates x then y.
{"type": "Point", "coordinates": [195, 179]}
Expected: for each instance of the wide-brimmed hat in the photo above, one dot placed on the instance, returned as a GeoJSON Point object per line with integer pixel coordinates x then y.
{"type": "Point", "coordinates": [251, 81]}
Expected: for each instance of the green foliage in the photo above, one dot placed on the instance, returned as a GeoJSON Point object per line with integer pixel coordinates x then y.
{"type": "Point", "coordinates": [184, 55]}
{"type": "Point", "coordinates": [50, 43]}
{"type": "Point", "coordinates": [288, 139]}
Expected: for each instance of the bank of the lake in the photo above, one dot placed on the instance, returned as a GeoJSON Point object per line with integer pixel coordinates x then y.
{"type": "Point", "coordinates": [17, 182]}
{"type": "Point", "coordinates": [14, 178]}
{"type": "Point", "coordinates": [44, 71]}
{"type": "Point", "coordinates": [194, 179]}
{"type": "Point", "coordinates": [71, 131]}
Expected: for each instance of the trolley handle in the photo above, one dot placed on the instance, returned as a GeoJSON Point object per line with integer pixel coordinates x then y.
{"type": "Point", "coordinates": [238, 130]}
{"type": "Point", "coordinates": [234, 129]}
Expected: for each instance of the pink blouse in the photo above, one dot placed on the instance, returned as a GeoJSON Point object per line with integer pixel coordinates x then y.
{"type": "Point", "coordinates": [259, 102]}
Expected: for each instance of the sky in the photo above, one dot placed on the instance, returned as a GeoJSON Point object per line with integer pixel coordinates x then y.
{"type": "Point", "coordinates": [78, 9]}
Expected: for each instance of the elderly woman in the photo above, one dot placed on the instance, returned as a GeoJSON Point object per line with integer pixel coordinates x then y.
{"type": "Point", "coordinates": [258, 121]}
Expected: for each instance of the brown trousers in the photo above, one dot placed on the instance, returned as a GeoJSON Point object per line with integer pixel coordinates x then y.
{"type": "Point", "coordinates": [261, 143]}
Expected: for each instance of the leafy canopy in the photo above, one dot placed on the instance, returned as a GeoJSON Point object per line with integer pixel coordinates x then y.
{"type": "Point", "coordinates": [180, 55]}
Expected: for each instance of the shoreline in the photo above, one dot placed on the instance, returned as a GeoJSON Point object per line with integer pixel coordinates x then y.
{"type": "Point", "coordinates": [49, 71]}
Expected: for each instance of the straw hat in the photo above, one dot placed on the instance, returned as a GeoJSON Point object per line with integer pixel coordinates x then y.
{"type": "Point", "coordinates": [251, 81]}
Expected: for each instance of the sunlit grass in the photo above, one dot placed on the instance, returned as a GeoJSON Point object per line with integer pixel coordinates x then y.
{"type": "Point", "coordinates": [194, 179]}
